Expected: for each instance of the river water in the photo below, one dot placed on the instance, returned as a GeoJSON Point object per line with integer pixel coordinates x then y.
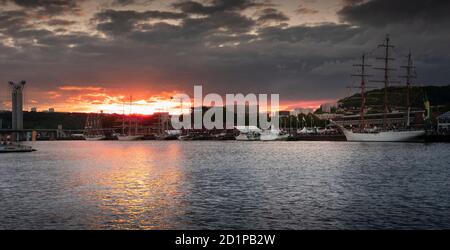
{"type": "Point", "coordinates": [226, 185]}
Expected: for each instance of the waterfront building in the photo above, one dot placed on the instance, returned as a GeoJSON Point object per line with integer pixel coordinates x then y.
{"type": "Point", "coordinates": [328, 107]}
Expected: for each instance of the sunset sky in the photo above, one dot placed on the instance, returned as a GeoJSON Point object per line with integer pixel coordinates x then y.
{"type": "Point", "coordinates": [81, 55]}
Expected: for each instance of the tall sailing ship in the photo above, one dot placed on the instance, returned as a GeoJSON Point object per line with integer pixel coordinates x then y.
{"type": "Point", "coordinates": [386, 134]}
{"type": "Point", "coordinates": [93, 130]}
{"type": "Point", "coordinates": [129, 135]}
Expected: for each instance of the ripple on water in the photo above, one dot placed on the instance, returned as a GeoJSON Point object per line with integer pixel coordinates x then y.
{"type": "Point", "coordinates": [226, 185]}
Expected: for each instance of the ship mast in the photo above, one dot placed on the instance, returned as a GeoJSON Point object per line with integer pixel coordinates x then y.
{"type": "Point", "coordinates": [363, 76]}
{"type": "Point", "coordinates": [386, 80]}
{"type": "Point", "coordinates": [409, 68]}
{"type": "Point", "coordinates": [131, 110]}
{"type": "Point", "coordinates": [123, 118]}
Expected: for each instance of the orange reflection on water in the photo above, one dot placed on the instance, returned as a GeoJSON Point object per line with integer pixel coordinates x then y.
{"type": "Point", "coordinates": [135, 183]}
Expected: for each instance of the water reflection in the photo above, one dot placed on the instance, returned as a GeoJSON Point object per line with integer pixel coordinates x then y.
{"type": "Point", "coordinates": [141, 191]}
{"type": "Point", "coordinates": [225, 185]}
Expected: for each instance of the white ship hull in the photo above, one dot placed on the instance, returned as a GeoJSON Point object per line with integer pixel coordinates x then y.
{"type": "Point", "coordinates": [383, 136]}
{"type": "Point", "coordinates": [128, 137]}
{"type": "Point", "coordinates": [95, 138]}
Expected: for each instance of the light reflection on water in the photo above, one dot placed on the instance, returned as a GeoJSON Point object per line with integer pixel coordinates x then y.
{"type": "Point", "coordinates": [135, 187]}
{"type": "Point", "coordinates": [226, 185]}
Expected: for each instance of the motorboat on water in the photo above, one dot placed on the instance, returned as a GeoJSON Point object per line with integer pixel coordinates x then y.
{"type": "Point", "coordinates": [188, 137]}
{"type": "Point", "coordinates": [306, 131]}
{"type": "Point", "coordinates": [250, 136]}
{"type": "Point", "coordinates": [15, 148]}
{"type": "Point", "coordinates": [248, 133]}
{"type": "Point", "coordinates": [169, 135]}
{"type": "Point", "coordinates": [94, 137]}
{"type": "Point", "coordinates": [225, 137]}
{"type": "Point", "coordinates": [273, 135]}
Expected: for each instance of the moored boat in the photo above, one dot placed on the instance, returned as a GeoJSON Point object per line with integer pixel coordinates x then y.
{"type": "Point", "coordinates": [250, 136]}
{"type": "Point", "coordinates": [129, 137]}
{"type": "Point", "coordinates": [187, 137]}
{"type": "Point", "coordinates": [94, 137]}
{"type": "Point", "coordinates": [273, 135]}
{"type": "Point", "coordinates": [15, 148]}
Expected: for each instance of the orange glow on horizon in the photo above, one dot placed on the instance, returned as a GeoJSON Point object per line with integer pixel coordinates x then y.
{"type": "Point", "coordinates": [160, 104]}
{"type": "Point", "coordinates": [142, 107]}
{"type": "Point", "coordinates": [93, 99]}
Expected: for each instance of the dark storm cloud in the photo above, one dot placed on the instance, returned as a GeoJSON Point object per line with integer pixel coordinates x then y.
{"type": "Point", "coordinates": [222, 22]}
{"type": "Point", "coordinates": [12, 19]}
{"type": "Point", "coordinates": [48, 7]}
{"type": "Point", "coordinates": [222, 45]}
{"type": "Point", "coordinates": [126, 22]}
{"type": "Point", "coordinates": [305, 10]}
{"type": "Point", "coordinates": [194, 7]}
{"type": "Point", "coordinates": [118, 22]}
{"type": "Point", "coordinates": [13, 23]}
{"type": "Point", "coordinates": [352, 2]}
{"type": "Point", "coordinates": [320, 34]}
{"type": "Point", "coordinates": [117, 15]}
{"type": "Point", "coordinates": [130, 2]}
{"type": "Point", "coordinates": [416, 25]}
{"type": "Point", "coordinates": [60, 22]}
{"type": "Point", "coordinates": [387, 12]}
{"type": "Point", "coordinates": [272, 15]}
{"type": "Point", "coordinates": [123, 2]}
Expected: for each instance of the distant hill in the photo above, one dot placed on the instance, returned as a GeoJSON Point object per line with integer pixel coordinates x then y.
{"type": "Point", "coordinates": [47, 120]}
{"type": "Point", "coordinates": [69, 121]}
{"type": "Point", "coordinates": [438, 96]}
